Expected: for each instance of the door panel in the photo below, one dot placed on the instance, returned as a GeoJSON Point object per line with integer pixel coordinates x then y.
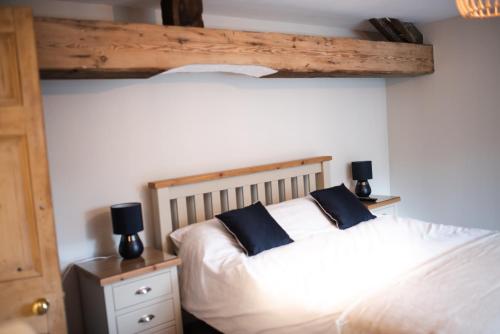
{"type": "Point", "coordinates": [10, 91]}
{"type": "Point", "coordinates": [19, 251]}
{"type": "Point", "coordinates": [29, 266]}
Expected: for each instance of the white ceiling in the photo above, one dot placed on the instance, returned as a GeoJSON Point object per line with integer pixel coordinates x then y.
{"type": "Point", "coordinates": [343, 13]}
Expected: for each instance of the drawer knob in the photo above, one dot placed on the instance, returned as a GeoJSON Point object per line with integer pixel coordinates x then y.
{"type": "Point", "coordinates": [146, 318]}
{"type": "Point", "coordinates": [144, 290]}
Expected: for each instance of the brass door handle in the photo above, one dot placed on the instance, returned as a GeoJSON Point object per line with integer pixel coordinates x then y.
{"type": "Point", "coordinates": [40, 306]}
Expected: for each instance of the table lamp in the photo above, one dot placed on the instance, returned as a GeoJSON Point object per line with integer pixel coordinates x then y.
{"type": "Point", "coordinates": [362, 172]}
{"type": "Point", "coordinates": [127, 221]}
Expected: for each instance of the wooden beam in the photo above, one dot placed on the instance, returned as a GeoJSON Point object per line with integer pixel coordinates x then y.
{"type": "Point", "coordinates": [97, 49]}
{"type": "Point", "coordinates": [385, 29]}
{"type": "Point", "coordinates": [395, 30]}
{"type": "Point", "coordinates": [236, 172]}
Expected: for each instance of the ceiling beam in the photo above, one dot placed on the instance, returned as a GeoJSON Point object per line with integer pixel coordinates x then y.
{"type": "Point", "coordinates": [98, 49]}
{"type": "Point", "coordinates": [182, 12]}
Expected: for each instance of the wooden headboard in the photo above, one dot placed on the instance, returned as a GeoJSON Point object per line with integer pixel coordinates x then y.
{"type": "Point", "coordinates": [186, 200]}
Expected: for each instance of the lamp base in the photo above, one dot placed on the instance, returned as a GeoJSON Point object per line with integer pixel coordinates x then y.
{"type": "Point", "coordinates": [363, 188]}
{"type": "Point", "coordinates": [130, 246]}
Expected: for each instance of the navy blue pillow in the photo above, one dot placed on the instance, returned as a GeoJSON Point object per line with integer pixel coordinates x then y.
{"type": "Point", "coordinates": [254, 228]}
{"type": "Point", "coordinates": [342, 206]}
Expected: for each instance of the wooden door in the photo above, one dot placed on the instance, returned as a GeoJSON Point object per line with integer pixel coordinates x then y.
{"type": "Point", "coordinates": [29, 267]}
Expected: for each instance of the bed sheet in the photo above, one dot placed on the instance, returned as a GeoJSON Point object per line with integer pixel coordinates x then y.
{"type": "Point", "coordinates": [310, 285]}
{"type": "Point", "coordinates": [456, 292]}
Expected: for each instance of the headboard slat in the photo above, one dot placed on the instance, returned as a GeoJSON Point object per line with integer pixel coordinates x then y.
{"type": "Point", "coordinates": [275, 192]}
{"type": "Point", "coordinates": [199, 204]}
{"type": "Point", "coordinates": [174, 214]}
{"type": "Point", "coordinates": [240, 202]}
{"type": "Point", "coordinates": [312, 182]}
{"type": "Point", "coordinates": [300, 186]}
{"type": "Point", "coordinates": [216, 206]}
{"type": "Point", "coordinates": [247, 195]}
{"type": "Point", "coordinates": [281, 190]}
{"type": "Point", "coordinates": [294, 187]}
{"type": "Point", "coordinates": [207, 199]}
{"type": "Point", "coordinates": [288, 189]}
{"type": "Point", "coordinates": [307, 184]}
{"type": "Point", "coordinates": [231, 198]}
{"type": "Point", "coordinates": [261, 192]}
{"type": "Point", "coordinates": [182, 212]}
{"type": "Point", "coordinates": [225, 200]}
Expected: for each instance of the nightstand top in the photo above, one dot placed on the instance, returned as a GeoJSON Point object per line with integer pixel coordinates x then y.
{"type": "Point", "coordinates": [382, 201]}
{"type": "Point", "coordinates": [115, 269]}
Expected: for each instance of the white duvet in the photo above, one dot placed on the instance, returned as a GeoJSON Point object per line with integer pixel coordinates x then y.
{"type": "Point", "coordinates": [387, 275]}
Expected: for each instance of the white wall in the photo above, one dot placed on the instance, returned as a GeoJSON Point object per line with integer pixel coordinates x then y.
{"type": "Point", "coordinates": [444, 133]}
{"type": "Point", "coordinates": [108, 138]}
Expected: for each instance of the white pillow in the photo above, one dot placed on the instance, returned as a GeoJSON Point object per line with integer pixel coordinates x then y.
{"type": "Point", "coordinates": [178, 235]}
{"type": "Point", "coordinates": [300, 218]}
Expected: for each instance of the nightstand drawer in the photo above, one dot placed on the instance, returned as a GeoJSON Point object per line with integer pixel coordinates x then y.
{"type": "Point", "coordinates": [385, 210]}
{"type": "Point", "coordinates": [169, 330]}
{"type": "Point", "coordinates": [142, 290]}
{"type": "Point", "coordinates": [146, 317]}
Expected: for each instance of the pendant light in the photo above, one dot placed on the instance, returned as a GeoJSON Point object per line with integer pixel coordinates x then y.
{"type": "Point", "coordinates": [479, 9]}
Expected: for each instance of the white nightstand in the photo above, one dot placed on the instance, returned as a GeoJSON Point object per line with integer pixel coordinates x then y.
{"type": "Point", "coordinates": [131, 296]}
{"type": "Point", "coordinates": [385, 205]}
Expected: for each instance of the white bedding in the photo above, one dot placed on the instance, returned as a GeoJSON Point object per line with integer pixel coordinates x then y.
{"type": "Point", "coordinates": [338, 281]}
{"type": "Point", "coordinates": [457, 292]}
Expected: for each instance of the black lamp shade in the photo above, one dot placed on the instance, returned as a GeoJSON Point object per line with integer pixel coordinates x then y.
{"type": "Point", "coordinates": [127, 218]}
{"type": "Point", "coordinates": [362, 170]}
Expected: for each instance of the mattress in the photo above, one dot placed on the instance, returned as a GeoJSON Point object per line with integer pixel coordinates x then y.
{"type": "Point", "coordinates": [370, 278]}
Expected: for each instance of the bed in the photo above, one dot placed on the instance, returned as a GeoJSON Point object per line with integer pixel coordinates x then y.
{"type": "Point", "coordinates": [386, 275]}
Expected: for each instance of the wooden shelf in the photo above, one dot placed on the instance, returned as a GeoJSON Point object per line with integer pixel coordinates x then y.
{"type": "Point", "coordinates": [97, 49]}
{"type": "Point", "coordinates": [382, 201]}
{"type": "Point", "coordinates": [115, 269]}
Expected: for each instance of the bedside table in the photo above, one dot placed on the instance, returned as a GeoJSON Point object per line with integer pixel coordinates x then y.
{"type": "Point", "coordinates": [131, 296]}
{"type": "Point", "coordinates": [385, 205]}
